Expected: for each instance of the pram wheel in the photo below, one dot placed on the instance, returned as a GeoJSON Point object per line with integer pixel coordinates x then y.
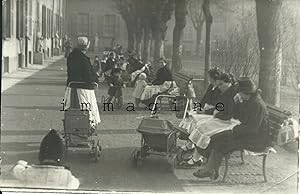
{"type": "Point", "coordinates": [96, 151]}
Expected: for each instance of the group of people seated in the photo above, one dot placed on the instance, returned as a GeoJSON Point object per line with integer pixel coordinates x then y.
{"type": "Point", "coordinates": [240, 100]}
{"type": "Point", "coordinates": [145, 92]}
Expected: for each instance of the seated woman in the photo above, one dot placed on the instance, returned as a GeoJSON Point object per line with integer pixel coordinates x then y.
{"type": "Point", "coordinates": [226, 86]}
{"type": "Point", "coordinates": [252, 133]}
{"type": "Point", "coordinates": [140, 85]}
{"type": "Point", "coordinates": [50, 173]}
{"type": "Point", "coordinates": [209, 100]}
{"type": "Point", "coordinates": [211, 97]}
{"type": "Point", "coordinates": [163, 82]}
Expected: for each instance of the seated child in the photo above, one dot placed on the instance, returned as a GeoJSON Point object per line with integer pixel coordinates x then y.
{"type": "Point", "coordinates": [115, 84]}
{"type": "Point", "coordinates": [50, 173]}
{"type": "Point", "coordinates": [139, 88]}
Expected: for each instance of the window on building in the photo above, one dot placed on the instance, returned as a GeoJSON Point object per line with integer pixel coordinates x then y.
{"type": "Point", "coordinates": [6, 18]}
{"type": "Point", "coordinates": [37, 17]}
{"type": "Point", "coordinates": [57, 21]}
{"type": "Point", "coordinates": [30, 17]}
{"type": "Point", "coordinates": [48, 23]}
{"type": "Point", "coordinates": [44, 22]}
{"type": "Point", "coordinates": [109, 26]}
{"type": "Point", "coordinates": [83, 24]}
{"type": "Point", "coordinates": [20, 19]}
{"type": "Point", "coordinates": [52, 27]}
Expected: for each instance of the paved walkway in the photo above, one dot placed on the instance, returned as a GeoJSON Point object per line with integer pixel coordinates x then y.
{"type": "Point", "coordinates": [32, 106]}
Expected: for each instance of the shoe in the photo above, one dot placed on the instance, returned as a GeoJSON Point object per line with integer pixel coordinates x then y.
{"type": "Point", "coordinates": [189, 165]}
{"type": "Point", "coordinates": [203, 173]}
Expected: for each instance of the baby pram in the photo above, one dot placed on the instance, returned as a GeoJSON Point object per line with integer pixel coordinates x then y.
{"type": "Point", "coordinates": [77, 125]}
{"type": "Point", "coordinates": [159, 136]}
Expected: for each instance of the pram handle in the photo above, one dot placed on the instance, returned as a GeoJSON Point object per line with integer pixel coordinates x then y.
{"type": "Point", "coordinates": [77, 82]}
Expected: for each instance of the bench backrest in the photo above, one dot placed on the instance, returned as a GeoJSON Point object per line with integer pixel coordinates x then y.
{"type": "Point", "coordinates": [277, 117]}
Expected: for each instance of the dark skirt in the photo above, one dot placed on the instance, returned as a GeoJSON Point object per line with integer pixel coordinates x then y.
{"type": "Point", "coordinates": [226, 142]}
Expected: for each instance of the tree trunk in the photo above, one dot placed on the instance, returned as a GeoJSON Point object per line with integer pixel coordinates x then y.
{"type": "Point", "coordinates": [198, 40]}
{"type": "Point", "coordinates": [157, 37]}
{"type": "Point", "coordinates": [162, 49]}
{"type": "Point", "coordinates": [270, 46]}
{"type": "Point", "coordinates": [138, 43]}
{"type": "Point", "coordinates": [130, 36]}
{"type": "Point", "coordinates": [208, 23]}
{"type": "Point", "coordinates": [180, 22]}
{"type": "Point", "coordinates": [147, 43]}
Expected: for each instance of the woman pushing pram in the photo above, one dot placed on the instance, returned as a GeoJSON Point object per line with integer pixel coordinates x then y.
{"type": "Point", "coordinates": [81, 80]}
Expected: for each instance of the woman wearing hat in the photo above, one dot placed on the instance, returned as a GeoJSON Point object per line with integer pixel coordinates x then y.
{"type": "Point", "coordinates": [50, 173]}
{"type": "Point", "coordinates": [252, 133]}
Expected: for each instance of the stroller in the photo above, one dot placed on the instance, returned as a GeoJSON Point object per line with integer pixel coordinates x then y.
{"type": "Point", "coordinates": [159, 136]}
{"type": "Point", "coordinates": [77, 124]}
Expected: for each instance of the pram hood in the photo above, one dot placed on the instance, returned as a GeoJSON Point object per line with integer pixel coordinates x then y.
{"type": "Point", "coordinates": [155, 126]}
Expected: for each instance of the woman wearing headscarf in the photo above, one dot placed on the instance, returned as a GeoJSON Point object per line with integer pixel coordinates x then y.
{"type": "Point", "coordinates": [252, 133]}
{"type": "Point", "coordinates": [81, 83]}
{"type": "Point", "coordinates": [50, 172]}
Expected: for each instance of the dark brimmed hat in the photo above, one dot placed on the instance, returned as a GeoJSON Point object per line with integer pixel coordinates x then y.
{"type": "Point", "coordinates": [51, 147]}
{"type": "Point", "coordinates": [246, 85]}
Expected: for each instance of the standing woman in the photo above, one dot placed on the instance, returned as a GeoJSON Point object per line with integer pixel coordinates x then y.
{"type": "Point", "coordinates": [80, 82]}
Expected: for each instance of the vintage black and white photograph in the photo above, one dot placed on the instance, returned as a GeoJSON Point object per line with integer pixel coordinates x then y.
{"type": "Point", "coordinates": [150, 96]}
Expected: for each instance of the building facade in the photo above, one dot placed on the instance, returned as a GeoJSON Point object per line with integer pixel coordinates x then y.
{"type": "Point", "coordinates": [93, 18]}
{"type": "Point", "coordinates": [30, 27]}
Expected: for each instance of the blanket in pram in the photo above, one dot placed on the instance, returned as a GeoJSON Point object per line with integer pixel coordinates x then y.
{"type": "Point", "coordinates": [150, 91]}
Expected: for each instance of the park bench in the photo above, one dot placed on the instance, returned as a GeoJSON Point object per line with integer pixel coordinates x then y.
{"type": "Point", "coordinates": [277, 119]}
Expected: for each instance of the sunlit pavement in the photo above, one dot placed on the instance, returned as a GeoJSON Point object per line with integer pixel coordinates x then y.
{"type": "Point", "coordinates": [33, 106]}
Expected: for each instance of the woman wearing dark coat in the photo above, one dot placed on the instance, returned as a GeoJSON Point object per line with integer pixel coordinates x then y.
{"type": "Point", "coordinates": [252, 133]}
{"type": "Point", "coordinates": [224, 110]}
{"type": "Point", "coordinates": [225, 106]}
{"type": "Point", "coordinates": [80, 68]}
{"type": "Point", "coordinates": [212, 95]}
{"type": "Point", "coordinates": [163, 74]}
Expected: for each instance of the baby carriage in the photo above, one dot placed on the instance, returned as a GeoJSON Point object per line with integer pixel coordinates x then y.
{"type": "Point", "coordinates": [159, 136]}
{"type": "Point", "coordinates": [80, 129]}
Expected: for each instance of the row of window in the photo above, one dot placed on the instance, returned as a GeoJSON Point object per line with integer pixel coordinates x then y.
{"type": "Point", "coordinates": [83, 24]}
{"type": "Point", "coordinates": [24, 22]}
